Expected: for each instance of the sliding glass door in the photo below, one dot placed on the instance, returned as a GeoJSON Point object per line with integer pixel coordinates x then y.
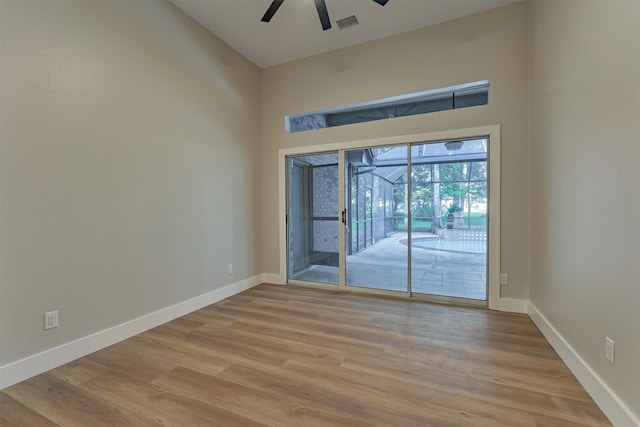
{"type": "Point", "coordinates": [312, 218]}
{"type": "Point", "coordinates": [449, 202]}
{"type": "Point", "coordinates": [408, 218]}
{"type": "Point", "coordinates": [375, 184]}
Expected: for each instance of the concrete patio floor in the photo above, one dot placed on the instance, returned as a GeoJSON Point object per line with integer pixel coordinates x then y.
{"type": "Point", "coordinates": [384, 266]}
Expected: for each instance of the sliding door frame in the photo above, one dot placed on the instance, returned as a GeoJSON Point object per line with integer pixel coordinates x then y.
{"type": "Point", "coordinates": [492, 132]}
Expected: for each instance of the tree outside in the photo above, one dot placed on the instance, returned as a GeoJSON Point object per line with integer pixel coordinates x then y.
{"type": "Point", "coordinates": [438, 189]}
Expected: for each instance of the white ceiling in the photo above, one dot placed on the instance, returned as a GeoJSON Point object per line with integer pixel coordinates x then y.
{"type": "Point", "coordinates": [295, 31]}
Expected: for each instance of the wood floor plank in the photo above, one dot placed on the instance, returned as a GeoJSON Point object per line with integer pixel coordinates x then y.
{"type": "Point", "coordinates": [287, 348]}
{"type": "Point", "coordinates": [404, 394]}
{"type": "Point", "coordinates": [124, 357]}
{"type": "Point", "coordinates": [447, 385]}
{"type": "Point", "coordinates": [266, 406]}
{"type": "Point", "coordinates": [15, 414]}
{"type": "Point", "coordinates": [295, 356]}
{"type": "Point", "coordinates": [158, 405]}
{"type": "Point", "coordinates": [79, 371]}
{"type": "Point", "coordinates": [67, 405]}
{"type": "Point", "coordinates": [176, 354]}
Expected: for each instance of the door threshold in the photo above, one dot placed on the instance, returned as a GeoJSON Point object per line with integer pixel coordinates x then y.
{"type": "Point", "coordinates": [428, 298]}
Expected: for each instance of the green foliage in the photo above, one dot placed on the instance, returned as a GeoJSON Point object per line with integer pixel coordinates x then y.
{"type": "Point", "coordinates": [416, 225]}
{"type": "Point", "coordinates": [451, 210]}
{"type": "Point", "coordinates": [452, 187]}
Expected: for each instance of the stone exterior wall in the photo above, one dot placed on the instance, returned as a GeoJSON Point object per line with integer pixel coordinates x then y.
{"type": "Point", "coordinates": [325, 204]}
{"type": "Point", "coordinates": [300, 124]}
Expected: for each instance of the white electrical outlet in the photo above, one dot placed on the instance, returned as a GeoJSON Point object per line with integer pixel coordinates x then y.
{"type": "Point", "coordinates": [609, 349]}
{"type": "Point", "coordinates": [51, 319]}
{"type": "Point", "coordinates": [229, 268]}
{"type": "Point", "coordinates": [504, 279]}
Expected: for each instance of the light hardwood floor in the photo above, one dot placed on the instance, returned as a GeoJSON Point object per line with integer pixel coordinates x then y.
{"type": "Point", "coordinates": [290, 356]}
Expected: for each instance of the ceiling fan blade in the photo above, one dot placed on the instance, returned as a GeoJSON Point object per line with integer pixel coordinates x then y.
{"type": "Point", "coordinates": [272, 10]}
{"type": "Point", "coordinates": [323, 14]}
{"type": "Point", "coordinates": [381, 2]}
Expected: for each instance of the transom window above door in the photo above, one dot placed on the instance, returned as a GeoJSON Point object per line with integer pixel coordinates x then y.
{"type": "Point", "coordinates": [448, 98]}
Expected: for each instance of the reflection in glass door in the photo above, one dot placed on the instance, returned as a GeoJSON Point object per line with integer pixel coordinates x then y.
{"type": "Point", "coordinates": [375, 184]}
{"type": "Point", "coordinates": [312, 218]}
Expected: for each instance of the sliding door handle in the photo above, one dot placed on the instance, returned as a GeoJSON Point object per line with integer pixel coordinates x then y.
{"type": "Point", "coordinates": [344, 217]}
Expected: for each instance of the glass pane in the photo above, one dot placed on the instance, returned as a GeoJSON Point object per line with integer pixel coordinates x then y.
{"type": "Point", "coordinates": [312, 218]}
{"type": "Point", "coordinates": [375, 186]}
{"type": "Point", "coordinates": [449, 219]}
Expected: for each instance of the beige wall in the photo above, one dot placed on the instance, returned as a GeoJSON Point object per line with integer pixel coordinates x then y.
{"type": "Point", "coordinates": [491, 46]}
{"type": "Point", "coordinates": [585, 198]}
{"type": "Point", "coordinates": [129, 159]}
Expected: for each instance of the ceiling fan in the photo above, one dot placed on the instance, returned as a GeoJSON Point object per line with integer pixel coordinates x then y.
{"type": "Point", "coordinates": [321, 6]}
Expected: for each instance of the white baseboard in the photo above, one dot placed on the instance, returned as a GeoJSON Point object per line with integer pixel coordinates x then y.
{"type": "Point", "coordinates": [512, 305]}
{"type": "Point", "coordinates": [617, 412]}
{"type": "Point", "coordinates": [36, 364]}
{"type": "Point", "coordinates": [274, 279]}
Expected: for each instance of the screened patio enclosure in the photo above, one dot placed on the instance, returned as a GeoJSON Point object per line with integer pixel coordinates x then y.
{"type": "Point", "coordinates": [416, 212]}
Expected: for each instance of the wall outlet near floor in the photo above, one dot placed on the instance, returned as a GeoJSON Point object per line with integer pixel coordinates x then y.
{"type": "Point", "coordinates": [504, 279]}
{"type": "Point", "coordinates": [229, 268]}
{"type": "Point", "coordinates": [609, 349]}
{"type": "Point", "coordinates": [51, 319]}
